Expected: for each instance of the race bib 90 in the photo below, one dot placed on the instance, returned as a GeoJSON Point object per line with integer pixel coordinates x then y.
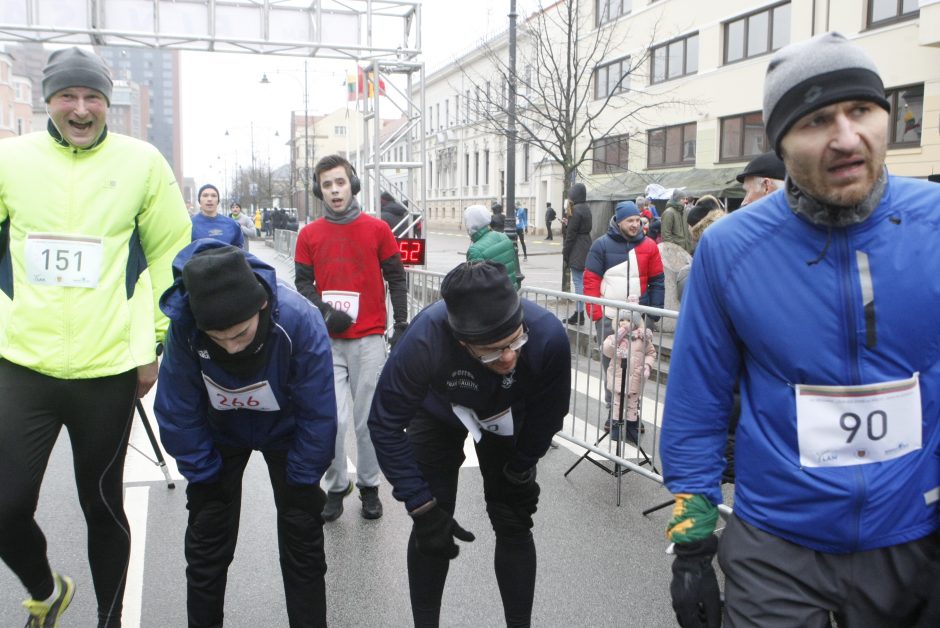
{"type": "Point", "coordinates": [840, 426]}
{"type": "Point", "coordinates": [63, 260]}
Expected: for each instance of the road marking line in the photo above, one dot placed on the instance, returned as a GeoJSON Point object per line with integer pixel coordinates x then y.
{"type": "Point", "coordinates": [136, 500]}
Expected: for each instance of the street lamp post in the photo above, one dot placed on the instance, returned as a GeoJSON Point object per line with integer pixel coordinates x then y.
{"type": "Point", "coordinates": [302, 219]}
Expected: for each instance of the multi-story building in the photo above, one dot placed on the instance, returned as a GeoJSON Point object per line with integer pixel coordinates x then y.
{"type": "Point", "coordinates": [129, 113]}
{"type": "Point", "coordinates": [16, 108]}
{"type": "Point", "coordinates": [157, 70]}
{"type": "Point", "coordinates": [692, 74]}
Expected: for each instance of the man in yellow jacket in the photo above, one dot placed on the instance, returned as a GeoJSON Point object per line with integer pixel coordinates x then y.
{"type": "Point", "coordinates": [89, 224]}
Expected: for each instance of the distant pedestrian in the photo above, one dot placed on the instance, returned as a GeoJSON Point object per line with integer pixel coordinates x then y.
{"type": "Point", "coordinates": [498, 219]}
{"type": "Point", "coordinates": [549, 218]}
{"type": "Point", "coordinates": [489, 244]}
{"type": "Point", "coordinates": [577, 243]}
{"type": "Point", "coordinates": [209, 223]}
{"type": "Point", "coordinates": [522, 223]}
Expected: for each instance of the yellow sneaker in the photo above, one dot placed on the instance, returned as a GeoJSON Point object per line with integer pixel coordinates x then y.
{"type": "Point", "coordinates": [46, 614]}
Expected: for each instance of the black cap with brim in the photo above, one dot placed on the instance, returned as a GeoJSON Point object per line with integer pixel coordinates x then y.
{"type": "Point", "coordinates": [765, 165]}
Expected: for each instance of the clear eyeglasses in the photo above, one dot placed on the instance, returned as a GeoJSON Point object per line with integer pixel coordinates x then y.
{"type": "Point", "coordinates": [492, 356]}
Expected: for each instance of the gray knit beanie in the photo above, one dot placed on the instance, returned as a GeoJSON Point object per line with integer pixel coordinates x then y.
{"type": "Point", "coordinates": [74, 67]}
{"type": "Point", "coordinates": [812, 74]}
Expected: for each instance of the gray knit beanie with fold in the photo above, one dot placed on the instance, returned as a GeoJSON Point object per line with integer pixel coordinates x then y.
{"type": "Point", "coordinates": [813, 74]}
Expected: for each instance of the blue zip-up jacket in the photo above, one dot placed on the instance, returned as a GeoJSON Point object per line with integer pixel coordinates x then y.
{"type": "Point", "coordinates": [867, 312]}
{"type": "Point", "coordinates": [429, 370]}
{"type": "Point", "coordinates": [299, 370]}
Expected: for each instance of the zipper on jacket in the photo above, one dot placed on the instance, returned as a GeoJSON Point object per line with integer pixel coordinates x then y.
{"type": "Point", "coordinates": [846, 273]}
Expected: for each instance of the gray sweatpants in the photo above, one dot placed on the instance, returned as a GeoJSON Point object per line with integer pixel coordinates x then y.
{"type": "Point", "coordinates": [772, 583]}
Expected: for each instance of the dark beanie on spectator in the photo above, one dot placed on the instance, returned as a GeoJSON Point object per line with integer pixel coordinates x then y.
{"type": "Point", "coordinates": [223, 290]}
{"type": "Point", "coordinates": [697, 213]}
{"type": "Point", "coordinates": [74, 67]}
{"type": "Point", "coordinates": [207, 186]}
{"type": "Point", "coordinates": [482, 305]}
{"type": "Point", "coordinates": [624, 210]}
{"type": "Point", "coordinates": [812, 74]}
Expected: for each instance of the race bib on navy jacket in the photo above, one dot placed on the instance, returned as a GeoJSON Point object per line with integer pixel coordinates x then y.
{"type": "Point", "coordinates": [431, 372]}
{"type": "Point", "coordinates": [288, 404]}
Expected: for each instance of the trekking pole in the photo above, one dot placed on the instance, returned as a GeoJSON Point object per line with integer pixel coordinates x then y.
{"type": "Point", "coordinates": [161, 461]}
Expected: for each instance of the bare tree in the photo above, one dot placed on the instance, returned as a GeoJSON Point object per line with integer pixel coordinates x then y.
{"type": "Point", "coordinates": [572, 90]}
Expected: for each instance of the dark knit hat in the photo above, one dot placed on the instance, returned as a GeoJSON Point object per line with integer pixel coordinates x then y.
{"type": "Point", "coordinates": [223, 290]}
{"type": "Point", "coordinates": [207, 186]}
{"type": "Point", "coordinates": [482, 305]}
{"type": "Point", "coordinates": [74, 67]}
{"type": "Point", "coordinates": [625, 209]}
{"type": "Point", "coordinates": [697, 213]}
{"type": "Point", "coordinates": [765, 165]}
{"type": "Point", "coordinates": [815, 73]}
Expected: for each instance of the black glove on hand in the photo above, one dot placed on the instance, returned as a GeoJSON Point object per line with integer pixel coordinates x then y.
{"type": "Point", "coordinates": [695, 596]}
{"type": "Point", "coordinates": [397, 332]}
{"type": "Point", "coordinates": [337, 321]}
{"type": "Point", "coordinates": [522, 490]}
{"type": "Point", "coordinates": [435, 531]}
{"type": "Point", "coordinates": [308, 498]}
{"type": "Point", "coordinates": [198, 494]}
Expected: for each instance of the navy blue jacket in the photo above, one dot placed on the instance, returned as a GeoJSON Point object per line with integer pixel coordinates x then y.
{"type": "Point", "coordinates": [429, 370]}
{"type": "Point", "coordinates": [299, 369]}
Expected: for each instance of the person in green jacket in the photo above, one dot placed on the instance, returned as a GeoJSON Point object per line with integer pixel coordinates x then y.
{"type": "Point", "coordinates": [91, 221]}
{"type": "Point", "coordinates": [488, 244]}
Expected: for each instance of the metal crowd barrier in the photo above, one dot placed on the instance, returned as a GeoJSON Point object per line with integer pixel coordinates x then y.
{"type": "Point", "coordinates": [586, 427]}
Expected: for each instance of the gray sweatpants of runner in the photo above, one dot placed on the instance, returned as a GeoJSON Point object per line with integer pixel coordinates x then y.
{"type": "Point", "coordinates": [772, 583]}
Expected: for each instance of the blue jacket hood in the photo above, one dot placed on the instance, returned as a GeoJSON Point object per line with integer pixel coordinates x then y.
{"type": "Point", "coordinates": [175, 301]}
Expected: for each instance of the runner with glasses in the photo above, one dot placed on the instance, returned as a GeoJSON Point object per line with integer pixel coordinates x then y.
{"type": "Point", "coordinates": [486, 362]}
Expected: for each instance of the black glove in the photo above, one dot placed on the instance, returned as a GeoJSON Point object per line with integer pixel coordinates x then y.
{"type": "Point", "coordinates": [337, 321]}
{"type": "Point", "coordinates": [198, 494]}
{"type": "Point", "coordinates": [435, 531]}
{"type": "Point", "coordinates": [308, 498]}
{"type": "Point", "coordinates": [522, 490]}
{"type": "Point", "coordinates": [397, 332]}
{"type": "Point", "coordinates": [695, 596]}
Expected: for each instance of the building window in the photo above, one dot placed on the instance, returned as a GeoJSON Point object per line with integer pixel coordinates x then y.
{"type": "Point", "coordinates": [608, 10]}
{"type": "Point", "coordinates": [466, 168]}
{"type": "Point", "coordinates": [743, 137]}
{"type": "Point", "coordinates": [674, 59]}
{"type": "Point", "coordinates": [526, 162]}
{"type": "Point", "coordinates": [612, 78]}
{"type": "Point", "coordinates": [447, 112]}
{"type": "Point", "coordinates": [610, 154]}
{"type": "Point", "coordinates": [671, 146]}
{"type": "Point", "coordinates": [881, 12]}
{"type": "Point", "coordinates": [907, 113]}
{"type": "Point", "coordinates": [339, 130]}
{"type": "Point", "coordinates": [486, 167]}
{"type": "Point", "coordinates": [757, 33]}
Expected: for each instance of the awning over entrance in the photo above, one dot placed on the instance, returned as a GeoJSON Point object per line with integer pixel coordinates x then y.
{"type": "Point", "coordinates": [697, 182]}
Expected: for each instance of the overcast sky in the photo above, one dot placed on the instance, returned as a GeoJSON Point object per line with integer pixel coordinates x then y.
{"type": "Point", "coordinates": [222, 92]}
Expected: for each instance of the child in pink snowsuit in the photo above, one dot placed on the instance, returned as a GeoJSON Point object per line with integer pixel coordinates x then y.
{"type": "Point", "coordinates": [634, 348]}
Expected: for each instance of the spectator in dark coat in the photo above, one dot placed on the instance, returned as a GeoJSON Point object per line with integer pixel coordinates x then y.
{"type": "Point", "coordinates": [577, 244]}
{"type": "Point", "coordinates": [498, 221]}
{"type": "Point", "coordinates": [393, 213]}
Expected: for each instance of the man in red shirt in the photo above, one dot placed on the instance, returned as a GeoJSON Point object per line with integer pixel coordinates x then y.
{"type": "Point", "coordinates": [340, 262]}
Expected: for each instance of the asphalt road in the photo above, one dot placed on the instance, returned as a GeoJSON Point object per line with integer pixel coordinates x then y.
{"type": "Point", "coordinates": [599, 564]}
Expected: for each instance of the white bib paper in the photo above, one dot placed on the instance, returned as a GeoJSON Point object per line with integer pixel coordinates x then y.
{"type": "Point", "coordinates": [841, 426]}
{"type": "Point", "coordinates": [499, 424]}
{"type": "Point", "coordinates": [257, 396]}
{"type": "Point", "coordinates": [343, 301]}
{"type": "Point", "coordinates": [63, 260]}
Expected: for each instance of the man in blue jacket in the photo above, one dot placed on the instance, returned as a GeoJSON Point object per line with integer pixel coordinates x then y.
{"type": "Point", "coordinates": [821, 299]}
{"type": "Point", "coordinates": [247, 366]}
{"type": "Point", "coordinates": [484, 361]}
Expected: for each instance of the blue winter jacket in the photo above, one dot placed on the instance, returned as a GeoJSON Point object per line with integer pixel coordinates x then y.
{"type": "Point", "coordinates": [299, 369]}
{"type": "Point", "coordinates": [759, 307]}
{"type": "Point", "coordinates": [429, 370]}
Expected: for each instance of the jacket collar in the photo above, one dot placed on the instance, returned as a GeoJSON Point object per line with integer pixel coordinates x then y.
{"type": "Point", "coordinates": [61, 141]}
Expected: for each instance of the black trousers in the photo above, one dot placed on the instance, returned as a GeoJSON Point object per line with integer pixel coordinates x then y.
{"type": "Point", "coordinates": [97, 414]}
{"type": "Point", "coordinates": [772, 583]}
{"type": "Point", "coordinates": [520, 234]}
{"type": "Point", "coordinates": [213, 531]}
{"type": "Point", "coordinates": [438, 449]}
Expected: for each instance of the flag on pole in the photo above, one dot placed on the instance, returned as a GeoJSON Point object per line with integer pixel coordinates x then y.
{"type": "Point", "coordinates": [360, 84]}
